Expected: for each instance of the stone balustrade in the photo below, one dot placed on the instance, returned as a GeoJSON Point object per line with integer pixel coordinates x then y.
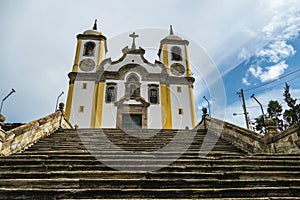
{"type": "Point", "coordinates": [252, 142]}
{"type": "Point", "coordinates": [20, 138]}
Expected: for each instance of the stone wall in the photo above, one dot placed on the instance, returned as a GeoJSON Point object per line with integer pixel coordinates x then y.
{"type": "Point", "coordinates": [20, 138]}
{"type": "Point", "coordinates": [287, 141]}
{"type": "Point", "coordinates": [252, 142]}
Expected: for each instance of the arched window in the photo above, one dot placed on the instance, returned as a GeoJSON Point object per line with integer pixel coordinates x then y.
{"type": "Point", "coordinates": [133, 78]}
{"type": "Point", "coordinates": [111, 92]}
{"type": "Point", "coordinates": [132, 86]}
{"type": "Point", "coordinates": [89, 49]}
{"type": "Point", "coordinates": [176, 53]}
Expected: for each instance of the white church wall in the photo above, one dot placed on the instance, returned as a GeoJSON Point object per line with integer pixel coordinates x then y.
{"type": "Point", "coordinates": [180, 100]}
{"type": "Point", "coordinates": [109, 115]}
{"type": "Point", "coordinates": [84, 97]}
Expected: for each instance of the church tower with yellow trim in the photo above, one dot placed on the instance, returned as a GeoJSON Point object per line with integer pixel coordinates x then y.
{"type": "Point", "coordinates": [84, 90]}
{"type": "Point", "coordinates": [131, 92]}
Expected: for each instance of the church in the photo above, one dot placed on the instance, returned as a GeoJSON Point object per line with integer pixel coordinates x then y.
{"type": "Point", "coordinates": [50, 158]}
{"type": "Point", "coordinates": [131, 92]}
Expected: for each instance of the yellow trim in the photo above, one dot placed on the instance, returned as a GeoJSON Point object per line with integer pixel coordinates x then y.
{"type": "Point", "coordinates": [165, 57]}
{"type": "Point", "coordinates": [94, 106]}
{"type": "Point", "coordinates": [101, 53]}
{"type": "Point", "coordinates": [69, 101]}
{"type": "Point", "coordinates": [193, 108]}
{"type": "Point", "coordinates": [166, 112]}
{"type": "Point", "coordinates": [99, 105]}
{"type": "Point", "coordinates": [77, 54]}
{"type": "Point", "coordinates": [188, 67]}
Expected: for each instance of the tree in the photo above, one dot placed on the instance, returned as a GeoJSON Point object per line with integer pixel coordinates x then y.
{"type": "Point", "coordinates": [274, 112]}
{"type": "Point", "coordinates": [259, 124]}
{"type": "Point", "coordinates": [292, 115]}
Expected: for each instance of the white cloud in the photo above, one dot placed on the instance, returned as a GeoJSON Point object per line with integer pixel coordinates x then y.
{"type": "Point", "coordinates": [270, 72]}
{"type": "Point", "coordinates": [245, 81]}
{"type": "Point", "coordinates": [283, 27]}
{"type": "Point", "coordinates": [276, 51]}
{"type": "Point", "coordinates": [244, 54]}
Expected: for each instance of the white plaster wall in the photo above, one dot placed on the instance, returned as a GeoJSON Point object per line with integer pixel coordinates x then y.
{"type": "Point", "coordinates": [95, 57]}
{"type": "Point", "coordinates": [180, 100]}
{"type": "Point", "coordinates": [82, 97]}
{"type": "Point", "coordinates": [109, 114]}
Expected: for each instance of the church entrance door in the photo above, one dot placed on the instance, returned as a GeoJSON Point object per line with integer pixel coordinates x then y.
{"type": "Point", "coordinates": [131, 121]}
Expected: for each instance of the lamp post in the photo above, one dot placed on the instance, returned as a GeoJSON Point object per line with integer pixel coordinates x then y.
{"type": "Point", "coordinates": [261, 107]}
{"type": "Point", "coordinates": [58, 99]}
{"type": "Point", "coordinates": [12, 91]}
{"type": "Point", "coordinates": [209, 113]}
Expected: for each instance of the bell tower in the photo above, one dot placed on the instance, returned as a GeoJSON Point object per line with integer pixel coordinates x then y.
{"type": "Point", "coordinates": [179, 104]}
{"type": "Point", "coordinates": [173, 53]}
{"type": "Point", "coordinates": [83, 88]}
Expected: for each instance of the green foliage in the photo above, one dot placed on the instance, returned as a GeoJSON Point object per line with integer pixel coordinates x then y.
{"type": "Point", "coordinates": [283, 119]}
{"type": "Point", "coordinates": [292, 115]}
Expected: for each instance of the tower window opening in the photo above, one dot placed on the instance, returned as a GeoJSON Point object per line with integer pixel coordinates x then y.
{"type": "Point", "coordinates": [178, 89]}
{"type": "Point", "coordinates": [84, 86]}
{"type": "Point", "coordinates": [180, 111]}
{"type": "Point", "coordinates": [89, 48]}
{"type": "Point", "coordinates": [176, 53]}
{"type": "Point", "coordinates": [81, 109]}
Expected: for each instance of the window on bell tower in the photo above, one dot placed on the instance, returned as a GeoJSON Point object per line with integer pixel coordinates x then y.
{"type": "Point", "coordinates": [89, 49]}
{"type": "Point", "coordinates": [176, 53]}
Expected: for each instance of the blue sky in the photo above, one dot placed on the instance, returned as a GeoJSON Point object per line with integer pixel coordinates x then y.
{"type": "Point", "coordinates": [250, 42]}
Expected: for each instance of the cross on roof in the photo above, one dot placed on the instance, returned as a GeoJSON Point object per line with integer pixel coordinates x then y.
{"type": "Point", "coordinates": [133, 36]}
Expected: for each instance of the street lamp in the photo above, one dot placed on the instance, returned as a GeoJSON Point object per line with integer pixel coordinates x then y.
{"type": "Point", "coordinates": [261, 107]}
{"type": "Point", "coordinates": [58, 99]}
{"type": "Point", "coordinates": [12, 91]}
{"type": "Point", "coordinates": [209, 113]}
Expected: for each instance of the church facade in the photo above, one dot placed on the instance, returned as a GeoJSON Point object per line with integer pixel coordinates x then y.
{"type": "Point", "coordinates": [131, 92]}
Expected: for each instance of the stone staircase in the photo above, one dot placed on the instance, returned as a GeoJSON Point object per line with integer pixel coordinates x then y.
{"type": "Point", "coordinates": [116, 164]}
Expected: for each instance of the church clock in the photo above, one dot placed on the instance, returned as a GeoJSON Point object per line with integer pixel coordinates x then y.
{"type": "Point", "coordinates": [177, 69]}
{"type": "Point", "coordinates": [87, 65]}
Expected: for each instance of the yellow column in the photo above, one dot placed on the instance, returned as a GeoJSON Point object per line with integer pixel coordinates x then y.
{"type": "Point", "coordinates": [193, 108]}
{"type": "Point", "coordinates": [75, 66]}
{"type": "Point", "coordinates": [101, 53]}
{"type": "Point", "coordinates": [166, 107]}
{"type": "Point", "coordinates": [165, 57]}
{"type": "Point", "coordinates": [99, 105]}
{"type": "Point", "coordinates": [69, 101]}
{"type": "Point", "coordinates": [187, 60]}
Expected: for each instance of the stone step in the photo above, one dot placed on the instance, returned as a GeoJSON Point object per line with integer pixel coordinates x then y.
{"type": "Point", "coordinates": [173, 168]}
{"type": "Point", "coordinates": [230, 175]}
{"type": "Point", "coordinates": [247, 192]}
{"type": "Point", "coordinates": [135, 183]}
{"type": "Point", "coordinates": [200, 162]}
